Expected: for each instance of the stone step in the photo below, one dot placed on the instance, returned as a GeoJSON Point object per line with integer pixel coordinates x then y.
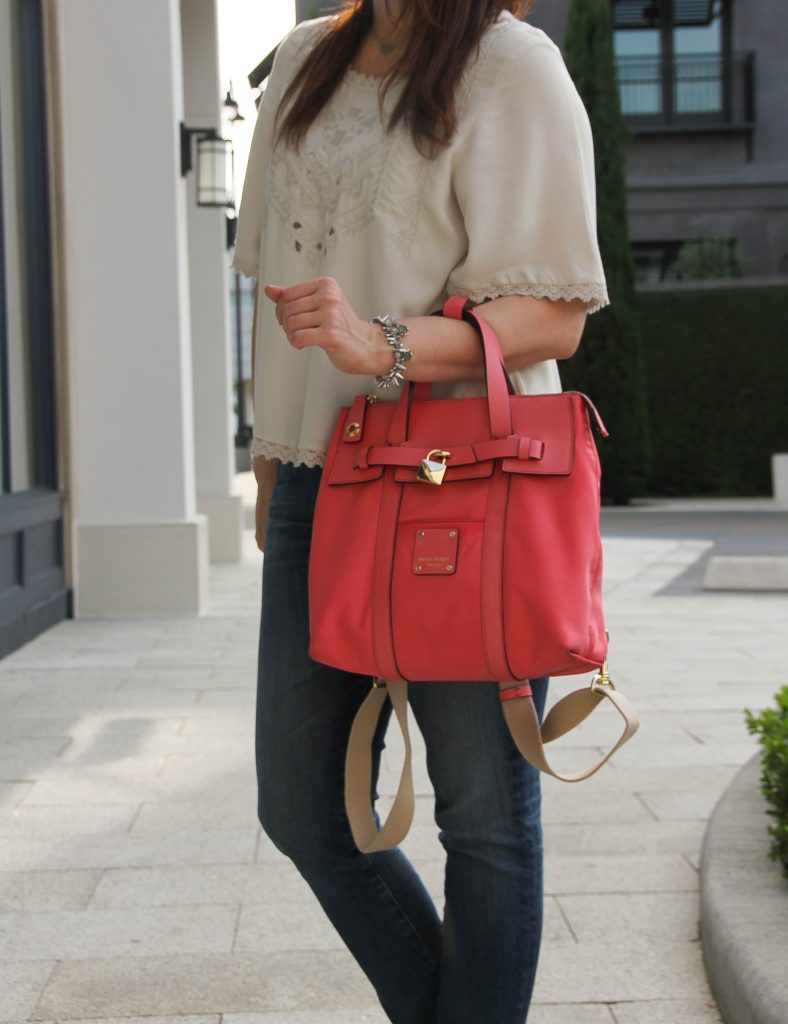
{"type": "Point", "coordinates": [746, 572]}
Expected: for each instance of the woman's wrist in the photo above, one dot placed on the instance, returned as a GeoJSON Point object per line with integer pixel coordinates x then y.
{"type": "Point", "coordinates": [380, 355]}
{"type": "Point", "coordinates": [399, 354]}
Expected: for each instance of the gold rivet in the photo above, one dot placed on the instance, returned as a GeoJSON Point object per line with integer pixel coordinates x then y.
{"type": "Point", "coordinates": [421, 533]}
{"type": "Point", "coordinates": [452, 533]}
{"type": "Point", "coordinates": [352, 430]}
{"type": "Point", "coordinates": [449, 568]}
{"type": "Point", "coordinates": [418, 568]}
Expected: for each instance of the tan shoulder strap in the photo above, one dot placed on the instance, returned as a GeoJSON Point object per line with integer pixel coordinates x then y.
{"type": "Point", "coordinates": [522, 719]}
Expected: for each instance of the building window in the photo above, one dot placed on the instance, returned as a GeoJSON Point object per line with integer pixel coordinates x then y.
{"type": "Point", "coordinates": [33, 592]}
{"type": "Point", "coordinates": [675, 65]}
{"type": "Point", "coordinates": [27, 400]}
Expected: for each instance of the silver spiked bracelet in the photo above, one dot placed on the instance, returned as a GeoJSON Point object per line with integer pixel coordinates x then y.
{"type": "Point", "coordinates": [394, 332]}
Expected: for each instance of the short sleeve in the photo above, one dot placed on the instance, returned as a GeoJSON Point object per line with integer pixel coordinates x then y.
{"type": "Point", "coordinates": [251, 213]}
{"type": "Point", "coordinates": [523, 178]}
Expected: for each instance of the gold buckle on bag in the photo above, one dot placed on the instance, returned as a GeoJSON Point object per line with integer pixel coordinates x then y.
{"type": "Point", "coordinates": [432, 470]}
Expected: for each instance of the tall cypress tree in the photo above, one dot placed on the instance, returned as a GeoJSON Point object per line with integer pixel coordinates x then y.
{"type": "Point", "coordinates": [608, 364]}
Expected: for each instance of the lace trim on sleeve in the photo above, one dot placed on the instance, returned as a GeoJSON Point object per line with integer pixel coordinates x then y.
{"type": "Point", "coordinates": [298, 456]}
{"type": "Point", "coordinates": [595, 295]}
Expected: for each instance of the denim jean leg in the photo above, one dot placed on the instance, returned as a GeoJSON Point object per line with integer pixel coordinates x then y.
{"type": "Point", "coordinates": [487, 805]}
{"type": "Point", "coordinates": [377, 903]}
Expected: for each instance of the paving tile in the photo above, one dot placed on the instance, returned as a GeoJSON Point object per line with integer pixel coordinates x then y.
{"type": "Point", "coordinates": [40, 891]}
{"type": "Point", "coordinates": [228, 698]}
{"type": "Point", "coordinates": [555, 927]}
{"type": "Point", "coordinates": [278, 880]}
{"type": "Point", "coordinates": [225, 722]}
{"type": "Point", "coordinates": [668, 777]}
{"type": "Point", "coordinates": [609, 972]}
{"type": "Point", "coordinates": [20, 987]}
{"type": "Point", "coordinates": [12, 728]}
{"type": "Point", "coordinates": [204, 766]}
{"type": "Point", "coordinates": [617, 917]}
{"type": "Point", "coordinates": [13, 793]}
{"type": "Point", "coordinates": [676, 805]}
{"type": "Point", "coordinates": [182, 985]}
{"type": "Point", "coordinates": [130, 931]}
{"type": "Point", "coordinates": [570, 1013]}
{"type": "Point", "coordinates": [372, 1016]}
{"type": "Point", "coordinates": [184, 884]}
{"type": "Point", "coordinates": [98, 789]}
{"type": "Point", "coordinates": [231, 846]}
{"type": "Point", "coordinates": [654, 872]}
{"type": "Point", "coordinates": [33, 746]}
{"type": "Point", "coordinates": [272, 927]}
{"type": "Point", "coordinates": [207, 1018]}
{"type": "Point", "coordinates": [210, 812]}
{"type": "Point", "coordinates": [576, 804]}
{"type": "Point", "coordinates": [654, 755]}
{"type": "Point", "coordinates": [59, 703]}
{"type": "Point", "coordinates": [668, 1011]}
{"type": "Point", "coordinates": [40, 819]}
{"type": "Point", "coordinates": [121, 768]}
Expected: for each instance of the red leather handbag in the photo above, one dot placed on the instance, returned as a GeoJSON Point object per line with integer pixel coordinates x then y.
{"type": "Point", "coordinates": [458, 539]}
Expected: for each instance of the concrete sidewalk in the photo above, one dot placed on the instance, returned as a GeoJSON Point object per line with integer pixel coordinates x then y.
{"type": "Point", "coordinates": [135, 881]}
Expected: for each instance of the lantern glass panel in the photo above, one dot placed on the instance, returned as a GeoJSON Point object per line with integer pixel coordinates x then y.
{"type": "Point", "coordinates": [214, 172]}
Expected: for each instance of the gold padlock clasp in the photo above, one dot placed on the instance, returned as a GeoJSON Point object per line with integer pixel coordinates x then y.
{"type": "Point", "coordinates": [433, 466]}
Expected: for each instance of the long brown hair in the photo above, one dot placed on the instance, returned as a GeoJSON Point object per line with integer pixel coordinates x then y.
{"type": "Point", "coordinates": [442, 35]}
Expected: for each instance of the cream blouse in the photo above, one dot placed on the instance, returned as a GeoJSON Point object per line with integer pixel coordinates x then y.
{"type": "Point", "coordinates": [508, 208]}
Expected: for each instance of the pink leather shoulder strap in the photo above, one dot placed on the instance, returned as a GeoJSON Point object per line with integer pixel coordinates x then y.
{"type": "Point", "coordinates": [457, 308]}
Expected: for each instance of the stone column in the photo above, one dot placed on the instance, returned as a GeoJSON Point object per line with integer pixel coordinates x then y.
{"type": "Point", "coordinates": [139, 546]}
{"type": "Point", "coordinates": [209, 281]}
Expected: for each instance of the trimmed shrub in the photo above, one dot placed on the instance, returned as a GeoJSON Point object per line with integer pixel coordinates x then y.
{"type": "Point", "coordinates": [709, 257]}
{"type": "Point", "coordinates": [771, 726]}
{"type": "Point", "coordinates": [717, 383]}
{"type": "Point", "coordinates": [609, 365]}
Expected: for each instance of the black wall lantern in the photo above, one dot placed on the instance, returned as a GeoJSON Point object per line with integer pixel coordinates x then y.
{"type": "Point", "coordinates": [214, 166]}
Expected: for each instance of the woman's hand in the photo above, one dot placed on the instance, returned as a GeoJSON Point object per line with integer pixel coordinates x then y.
{"type": "Point", "coordinates": [316, 313]}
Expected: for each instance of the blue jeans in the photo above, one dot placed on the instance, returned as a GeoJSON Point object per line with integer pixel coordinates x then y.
{"type": "Point", "coordinates": [478, 963]}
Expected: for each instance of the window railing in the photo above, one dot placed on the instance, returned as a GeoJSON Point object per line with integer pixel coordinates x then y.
{"type": "Point", "coordinates": [698, 90]}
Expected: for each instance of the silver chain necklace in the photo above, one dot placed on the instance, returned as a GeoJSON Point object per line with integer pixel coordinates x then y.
{"type": "Point", "coordinates": [385, 46]}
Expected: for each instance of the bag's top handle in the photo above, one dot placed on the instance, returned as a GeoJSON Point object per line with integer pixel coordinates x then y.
{"type": "Point", "coordinates": [498, 386]}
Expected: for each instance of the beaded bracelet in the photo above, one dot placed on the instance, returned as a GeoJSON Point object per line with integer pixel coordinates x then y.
{"type": "Point", "coordinates": [394, 332]}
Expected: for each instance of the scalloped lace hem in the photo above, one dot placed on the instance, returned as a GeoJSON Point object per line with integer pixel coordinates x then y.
{"type": "Point", "coordinates": [595, 295]}
{"type": "Point", "coordinates": [298, 456]}
{"type": "Point", "coordinates": [245, 267]}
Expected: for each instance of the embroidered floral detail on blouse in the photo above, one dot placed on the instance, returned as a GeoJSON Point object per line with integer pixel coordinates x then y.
{"type": "Point", "coordinates": [350, 168]}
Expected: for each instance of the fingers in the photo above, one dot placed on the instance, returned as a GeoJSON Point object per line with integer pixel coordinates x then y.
{"type": "Point", "coordinates": [300, 291]}
{"type": "Point", "coordinates": [287, 312]}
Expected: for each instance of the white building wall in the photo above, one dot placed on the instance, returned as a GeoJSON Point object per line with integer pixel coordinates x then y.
{"type": "Point", "coordinates": [208, 280]}
{"type": "Point", "coordinates": [139, 545]}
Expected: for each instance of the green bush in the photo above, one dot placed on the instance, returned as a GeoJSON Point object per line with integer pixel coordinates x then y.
{"type": "Point", "coordinates": [772, 728]}
{"type": "Point", "coordinates": [709, 257]}
{"type": "Point", "coordinates": [717, 379]}
{"type": "Point", "coordinates": [609, 363]}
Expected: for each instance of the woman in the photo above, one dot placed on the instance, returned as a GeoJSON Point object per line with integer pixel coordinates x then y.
{"type": "Point", "coordinates": [406, 150]}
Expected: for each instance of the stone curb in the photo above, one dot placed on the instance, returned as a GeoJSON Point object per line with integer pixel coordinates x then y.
{"type": "Point", "coordinates": [744, 907]}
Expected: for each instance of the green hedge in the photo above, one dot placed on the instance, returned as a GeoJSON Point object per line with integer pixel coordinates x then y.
{"type": "Point", "coordinates": [716, 365]}
{"type": "Point", "coordinates": [771, 727]}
